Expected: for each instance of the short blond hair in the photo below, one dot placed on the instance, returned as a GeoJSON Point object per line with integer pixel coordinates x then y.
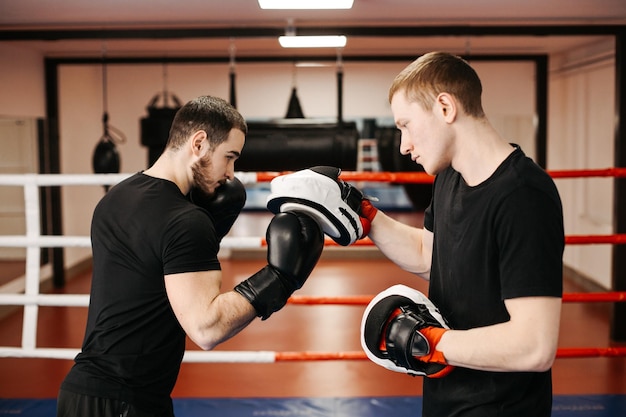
{"type": "Point", "coordinates": [440, 72]}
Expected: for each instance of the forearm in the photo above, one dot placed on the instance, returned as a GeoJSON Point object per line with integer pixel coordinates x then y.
{"type": "Point", "coordinates": [218, 319]}
{"type": "Point", "coordinates": [402, 244]}
{"type": "Point", "coordinates": [228, 314]}
{"type": "Point", "coordinates": [207, 316]}
{"type": "Point", "coordinates": [525, 343]}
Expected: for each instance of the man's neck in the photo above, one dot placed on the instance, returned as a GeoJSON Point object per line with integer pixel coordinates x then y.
{"type": "Point", "coordinates": [481, 150]}
{"type": "Point", "coordinates": [168, 167]}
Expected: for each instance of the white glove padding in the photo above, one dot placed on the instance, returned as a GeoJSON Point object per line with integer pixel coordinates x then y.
{"type": "Point", "coordinates": [319, 192]}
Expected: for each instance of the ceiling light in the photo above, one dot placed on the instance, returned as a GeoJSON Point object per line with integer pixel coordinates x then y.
{"type": "Point", "coordinates": [312, 64]}
{"type": "Point", "coordinates": [305, 4]}
{"type": "Point", "coordinates": [291, 41]}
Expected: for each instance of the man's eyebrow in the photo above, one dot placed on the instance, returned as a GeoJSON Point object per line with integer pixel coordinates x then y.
{"type": "Point", "coordinates": [236, 153]}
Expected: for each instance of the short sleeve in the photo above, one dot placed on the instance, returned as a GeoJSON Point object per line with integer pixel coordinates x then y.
{"type": "Point", "coordinates": [190, 244]}
{"type": "Point", "coordinates": [531, 240]}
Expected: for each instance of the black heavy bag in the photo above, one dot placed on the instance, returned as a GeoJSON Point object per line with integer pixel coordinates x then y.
{"type": "Point", "coordinates": [155, 128]}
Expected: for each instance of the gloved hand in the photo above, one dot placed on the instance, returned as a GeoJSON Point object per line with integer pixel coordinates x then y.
{"type": "Point", "coordinates": [367, 214]}
{"type": "Point", "coordinates": [400, 331]}
{"type": "Point", "coordinates": [319, 192]}
{"type": "Point", "coordinates": [421, 328]}
{"type": "Point", "coordinates": [294, 245]}
{"type": "Point", "coordinates": [224, 206]}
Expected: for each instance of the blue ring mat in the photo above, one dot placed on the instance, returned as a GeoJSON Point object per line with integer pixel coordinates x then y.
{"type": "Point", "coordinates": [563, 406]}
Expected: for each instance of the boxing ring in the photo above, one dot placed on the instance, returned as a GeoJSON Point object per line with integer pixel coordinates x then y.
{"type": "Point", "coordinates": [31, 298]}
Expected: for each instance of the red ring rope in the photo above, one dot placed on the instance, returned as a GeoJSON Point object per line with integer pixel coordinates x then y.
{"type": "Point", "coordinates": [590, 352]}
{"type": "Point", "coordinates": [608, 172]}
{"type": "Point", "coordinates": [358, 355]}
{"type": "Point", "coordinates": [424, 178]}
{"type": "Point", "coordinates": [617, 239]}
{"type": "Point", "coordinates": [615, 296]}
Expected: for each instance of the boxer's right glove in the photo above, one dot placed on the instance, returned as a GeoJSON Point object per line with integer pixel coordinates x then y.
{"type": "Point", "coordinates": [294, 245]}
{"type": "Point", "coordinates": [400, 331]}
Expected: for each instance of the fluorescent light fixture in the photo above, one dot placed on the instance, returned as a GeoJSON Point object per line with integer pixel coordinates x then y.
{"type": "Point", "coordinates": [291, 41]}
{"type": "Point", "coordinates": [313, 64]}
{"type": "Point", "coordinates": [305, 4]}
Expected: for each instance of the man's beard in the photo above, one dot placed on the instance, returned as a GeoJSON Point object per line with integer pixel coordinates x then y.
{"type": "Point", "coordinates": [201, 177]}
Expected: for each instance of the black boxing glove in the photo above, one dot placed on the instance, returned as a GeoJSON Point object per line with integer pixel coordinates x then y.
{"type": "Point", "coordinates": [224, 205]}
{"type": "Point", "coordinates": [294, 245]}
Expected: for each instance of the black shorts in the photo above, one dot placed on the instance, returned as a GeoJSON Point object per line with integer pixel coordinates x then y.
{"type": "Point", "coordinates": [71, 404]}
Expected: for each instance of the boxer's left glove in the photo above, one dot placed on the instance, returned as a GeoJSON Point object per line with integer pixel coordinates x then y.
{"type": "Point", "coordinates": [224, 206]}
{"type": "Point", "coordinates": [294, 245]}
{"type": "Point", "coordinates": [319, 192]}
{"type": "Point", "coordinates": [400, 331]}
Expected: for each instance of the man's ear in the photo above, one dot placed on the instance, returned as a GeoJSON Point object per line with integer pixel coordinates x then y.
{"type": "Point", "coordinates": [447, 106]}
{"type": "Point", "coordinates": [198, 142]}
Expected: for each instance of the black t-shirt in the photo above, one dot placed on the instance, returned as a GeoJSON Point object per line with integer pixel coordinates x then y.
{"type": "Point", "coordinates": [499, 240]}
{"type": "Point", "coordinates": [142, 229]}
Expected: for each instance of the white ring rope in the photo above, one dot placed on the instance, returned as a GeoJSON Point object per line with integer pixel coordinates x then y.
{"type": "Point", "coordinates": [243, 242]}
{"type": "Point", "coordinates": [29, 296]}
{"type": "Point", "coordinates": [196, 356]}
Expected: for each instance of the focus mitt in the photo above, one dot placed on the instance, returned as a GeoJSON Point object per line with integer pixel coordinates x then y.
{"type": "Point", "coordinates": [319, 192]}
{"type": "Point", "coordinates": [400, 330]}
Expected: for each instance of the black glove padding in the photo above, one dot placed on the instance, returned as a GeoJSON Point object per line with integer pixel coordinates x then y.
{"type": "Point", "coordinates": [294, 245]}
{"type": "Point", "coordinates": [223, 206]}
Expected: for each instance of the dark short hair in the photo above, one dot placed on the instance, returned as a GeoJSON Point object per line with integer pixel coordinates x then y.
{"type": "Point", "coordinates": [214, 115]}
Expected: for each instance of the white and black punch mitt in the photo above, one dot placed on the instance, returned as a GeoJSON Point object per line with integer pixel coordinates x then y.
{"type": "Point", "coordinates": [319, 192]}
{"type": "Point", "coordinates": [402, 345]}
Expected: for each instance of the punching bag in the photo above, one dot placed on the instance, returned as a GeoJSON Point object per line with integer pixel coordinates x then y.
{"type": "Point", "coordinates": [155, 128]}
{"type": "Point", "coordinates": [106, 159]}
{"type": "Point", "coordinates": [294, 111]}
